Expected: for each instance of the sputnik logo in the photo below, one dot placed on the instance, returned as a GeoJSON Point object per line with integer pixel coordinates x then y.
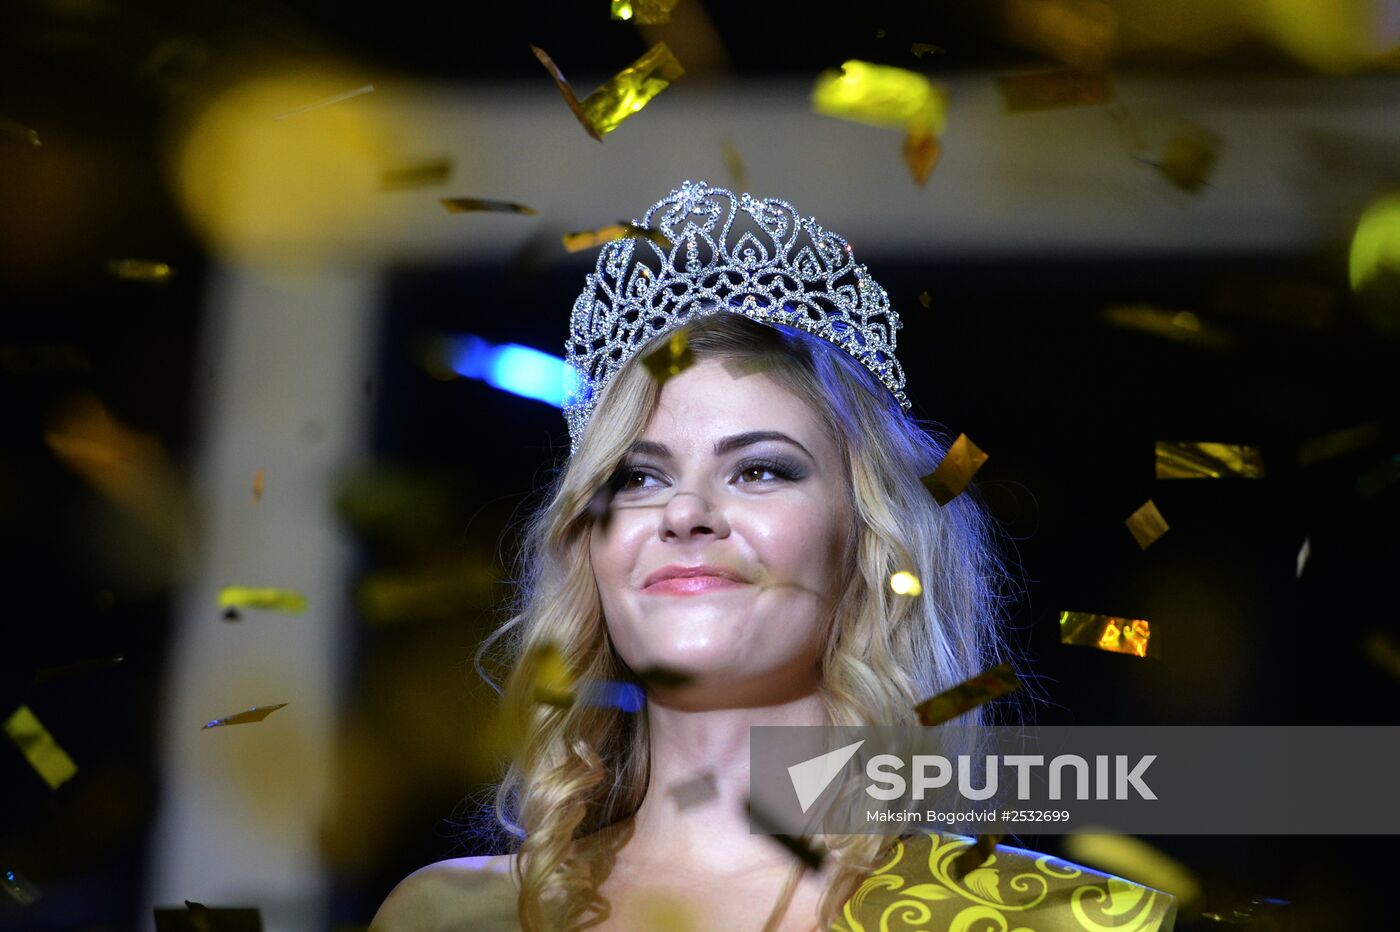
{"type": "Point", "coordinates": [813, 776]}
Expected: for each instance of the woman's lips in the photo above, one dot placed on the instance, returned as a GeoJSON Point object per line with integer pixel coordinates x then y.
{"type": "Point", "coordinates": [690, 585]}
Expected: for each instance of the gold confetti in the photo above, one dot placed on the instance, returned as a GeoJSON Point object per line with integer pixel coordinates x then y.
{"type": "Point", "coordinates": [1126, 856]}
{"type": "Point", "coordinates": [258, 479]}
{"type": "Point", "coordinates": [139, 270]}
{"type": "Point", "coordinates": [49, 674]}
{"type": "Point", "coordinates": [1108, 632]}
{"type": "Point", "coordinates": [920, 49]}
{"type": "Point", "coordinates": [881, 95]}
{"type": "Point", "coordinates": [1190, 157]}
{"type": "Point", "coordinates": [921, 154]}
{"type": "Point", "coordinates": [1146, 524]}
{"type": "Point", "coordinates": [1383, 652]}
{"type": "Point", "coordinates": [368, 88]}
{"type": "Point", "coordinates": [18, 887]}
{"type": "Point", "coordinates": [570, 97]}
{"type": "Point", "coordinates": [977, 853]}
{"type": "Point", "coordinates": [1304, 552]}
{"type": "Point", "coordinates": [1081, 33]}
{"type": "Point", "coordinates": [999, 681]}
{"type": "Point", "coordinates": [256, 714]}
{"type": "Point", "coordinates": [926, 299]}
{"type": "Point", "coordinates": [587, 239]}
{"type": "Point", "coordinates": [694, 792]}
{"type": "Point", "coordinates": [432, 171]}
{"type": "Point", "coordinates": [1181, 326]}
{"type": "Point", "coordinates": [551, 681]}
{"type": "Point", "coordinates": [1339, 443]}
{"type": "Point", "coordinates": [673, 357]}
{"type": "Point", "coordinates": [906, 583]}
{"type": "Point", "coordinates": [461, 205]}
{"type": "Point", "coordinates": [1207, 461]}
{"type": "Point", "coordinates": [631, 89]}
{"type": "Point", "coordinates": [961, 463]}
{"type": "Point", "coordinates": [277, 600]}
{"type": "Point", "coordinates": [39, 748]}
{"type": "Point", "coordinates": [800, 848]}
{"type": "Point", "coordinates": [734, 165]}
{"type": "Point", "coordinates": [1049, 89]}
{"type": "Point", "coordinates": [644, 12]}
{"type": "Point", "coordinates": [19, 133]}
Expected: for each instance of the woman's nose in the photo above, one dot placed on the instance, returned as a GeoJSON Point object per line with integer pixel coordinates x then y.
{"type": "Point", "coordinates": [690, 514]}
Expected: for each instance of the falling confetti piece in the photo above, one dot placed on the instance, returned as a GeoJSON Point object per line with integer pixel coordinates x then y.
{"type": "Point", "coordinates": [977, 853]}
{"type": "Point", "coordinates": [139, 270]}
{"type": "Point", "coordinates": [277, 600]}
{"type": "Point", "coordinates": [1207, 461]}
{"type": "Point", "coordinates": [231, 614]}
{"type": "Point", "coordinates": [429, 172]}
{"type": "Point", "coordinates": [368, 88]}
{"type": "Point", "coordinates": [999, 681]}
{"type": "Point", "coordinates": [1304, 552]}
{"type": "Point", "coordinates": [694, 792]}
{"type": "Point", "coordinates": [256, 714]}
{"type": "Point", "coordinates": [644, 12]}
{"type": "Point", "coordinates": [599, 508]}
{"type": "Point", "coordinates": [1339, 443]}
{"type": "Point", "coordinates": [734, 166]}
{"type": "Point", "coordinates": [881, 96]}
{"type": "Point", "coordinates": [258, 479]}
{"type": "Point", "coordinates": [672, 358]}
{"type": "Point", "coordinates": [610, 694]}
{"type": "Point", "coordinates": [1252, 913]}
{"type": "Point", "coordinates": [926, 299]}
{"type": "Point", "coordinates": [462, 205]}
{"type": "Point", "coordinates": [587, 239]}
{"type": "Point", "coordinates": [631, 89]}
{"type": "Point", "coordinates": [906, 583]}
{"type": "Point", "coordinates": [39, 748]}
{"type": "Point", "coordinates": [1181, 326]}
{"type": "Point", "coordinates": [920, 49]}
{"type": "Point", "coordinates": [570, 97]}
{"type": "Point", "coordinates": [1383, 652]}
{"type": "Point", "coordinates": [921, 154]}
{"type": "Point", "coordinates": [1081, 33]}
{"type": "Point", "coordinates": [1109, 633]}
{"type": "Point", "coordinates": [1051, 89]}
{"type": "Point", "coordinates": [1146, 524]}
{"type": "Point", "coordinates": [551, 682]}
{"type": "Point", "coordinates": [49, 674]}
{"type": "Point", "coordinates": [19, 133]}
{"type": "Point", "coordinates": [1126, 856]}
{"type": "Point", "coordinates": [664, 678]}
{"type": "Point", "coordinates": [961, 463]}
{"type": "Point", "coordinates": [20, 889]}
{"type": "Point", "coordinates": [800, 848]}
{"type": "Point", "coordinates": [1189, 158]}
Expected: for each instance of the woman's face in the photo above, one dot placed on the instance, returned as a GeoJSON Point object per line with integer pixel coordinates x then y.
{"type": "Point", "coordinates": [740, 476]}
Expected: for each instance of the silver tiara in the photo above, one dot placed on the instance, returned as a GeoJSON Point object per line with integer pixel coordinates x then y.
{"type": "Point", "coordinates": [765, 274]}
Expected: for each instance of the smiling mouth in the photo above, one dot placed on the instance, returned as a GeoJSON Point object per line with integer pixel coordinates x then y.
{"type": "Point", "coordinates": [691, 585]}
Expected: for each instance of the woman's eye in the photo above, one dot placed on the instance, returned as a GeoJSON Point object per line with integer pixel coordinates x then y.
{"type": "Point", "coordinates": [631, 479]}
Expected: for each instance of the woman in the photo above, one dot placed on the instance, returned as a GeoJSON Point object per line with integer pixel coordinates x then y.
{"type": "Point", "coordinates": [723, 535]}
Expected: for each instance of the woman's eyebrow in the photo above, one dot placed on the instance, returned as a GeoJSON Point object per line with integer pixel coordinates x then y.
{"type": "Point", "coordinates": [722, 446]}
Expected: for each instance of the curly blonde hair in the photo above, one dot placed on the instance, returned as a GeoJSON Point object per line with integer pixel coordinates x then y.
{"type": "Point", "coordinates": [581, 769]}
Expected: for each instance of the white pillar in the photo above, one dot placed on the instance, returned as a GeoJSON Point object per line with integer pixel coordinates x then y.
{"type": "Point", "coordinates": [281, 374]}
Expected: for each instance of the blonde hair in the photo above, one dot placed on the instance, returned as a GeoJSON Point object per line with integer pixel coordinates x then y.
{"type": "Point", "coordinates": [580, 769]}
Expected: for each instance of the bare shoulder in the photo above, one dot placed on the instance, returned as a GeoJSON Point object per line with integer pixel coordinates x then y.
{"type": "Point", "coordinates": [475, 892]}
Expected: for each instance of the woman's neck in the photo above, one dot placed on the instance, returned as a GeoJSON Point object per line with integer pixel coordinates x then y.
{"type": "Point", "coordinates": [693, 748]}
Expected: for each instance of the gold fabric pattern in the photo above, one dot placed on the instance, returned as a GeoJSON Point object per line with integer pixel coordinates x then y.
{"type": "Point", "coordinates": [917, 890]}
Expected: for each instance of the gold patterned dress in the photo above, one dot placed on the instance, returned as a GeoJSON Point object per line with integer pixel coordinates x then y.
{"type": "Point", "coordinates": [1016, 890]}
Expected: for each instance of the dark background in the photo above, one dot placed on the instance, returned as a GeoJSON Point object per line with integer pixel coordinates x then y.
{"type": "Point", "coordinates": [1014, 350]}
